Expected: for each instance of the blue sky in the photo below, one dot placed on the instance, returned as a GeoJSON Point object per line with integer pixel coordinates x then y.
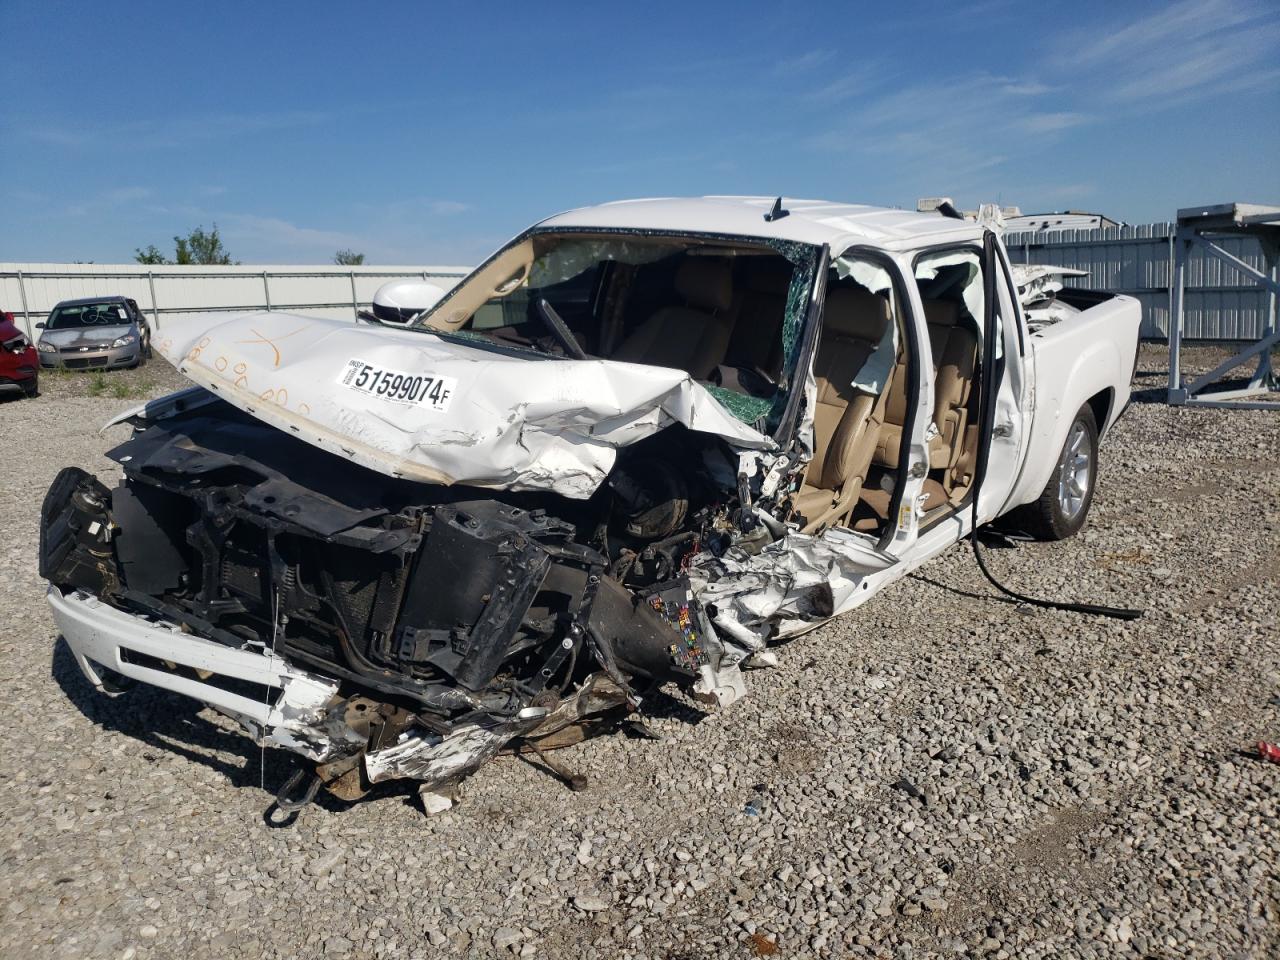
{"type": "Point", "coordinates": [430, 133]}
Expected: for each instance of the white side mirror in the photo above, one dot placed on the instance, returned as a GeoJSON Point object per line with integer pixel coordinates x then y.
{"type": "Point", "coordinates": [401, 300]}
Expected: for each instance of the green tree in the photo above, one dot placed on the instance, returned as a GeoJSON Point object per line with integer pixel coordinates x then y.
{"type": "Point", "coordinates": [197, 247]}
{"type": "Point", "coordinates": [150, 255]}
{"type": "Point", "coordinates": [348, 258]}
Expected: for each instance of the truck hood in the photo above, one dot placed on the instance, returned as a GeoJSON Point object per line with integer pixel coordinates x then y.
{"type": "Point", "coordinates": [414, 405]}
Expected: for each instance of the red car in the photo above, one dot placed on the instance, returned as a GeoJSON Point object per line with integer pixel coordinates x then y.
{"type": "Point", "coordinates": [19, 364]}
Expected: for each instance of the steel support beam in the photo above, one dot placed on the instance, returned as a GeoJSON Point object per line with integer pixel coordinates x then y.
{"type": "Point", "coordinates": [1201, 226]}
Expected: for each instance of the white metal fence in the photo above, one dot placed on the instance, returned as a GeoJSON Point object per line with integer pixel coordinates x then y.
{"type": "Point", "coordinates": [1221, 302]}
{"type": "Point", "coordinates": [30, 290]}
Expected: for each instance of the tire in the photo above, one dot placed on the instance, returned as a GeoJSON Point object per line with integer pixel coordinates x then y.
{"type": "Point", "coordinates": [1063, 507]}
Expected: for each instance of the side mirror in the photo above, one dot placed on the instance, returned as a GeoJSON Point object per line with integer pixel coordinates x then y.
{"type": "Point", "coordinates": [40, 325]}
{"type": "Point", "coordinates": [399, 301]}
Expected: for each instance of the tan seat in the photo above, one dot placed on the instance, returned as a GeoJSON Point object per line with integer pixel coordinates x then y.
{"type": "Point", "coordinates": [954, 349]}
{"type": "Point", "coordinates": [889, 443]}
{"type": "Point", "coordinates": [846, 419]}
{"type": "Point", "coordinates": [955, 356]}
{"type": "Point", "coordinates": [692, 337]}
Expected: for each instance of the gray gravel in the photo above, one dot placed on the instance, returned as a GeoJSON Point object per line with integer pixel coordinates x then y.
{"type": "Point", "coordinates": [939, 774]}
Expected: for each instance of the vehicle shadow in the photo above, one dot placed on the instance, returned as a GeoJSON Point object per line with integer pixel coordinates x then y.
{"type": "Point", "coordinates": [660, 704]}
{"type": "Point", "coordinates": [995, 597]}
{"type": "Point", "coordinates": [170, 722]}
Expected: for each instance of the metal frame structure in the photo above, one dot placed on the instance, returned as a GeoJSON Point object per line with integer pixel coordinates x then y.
{"type": "Point", "coordinates": [1203, 225]}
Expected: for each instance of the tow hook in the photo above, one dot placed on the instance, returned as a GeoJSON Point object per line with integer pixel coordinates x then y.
{"type": "Point", "coordinates": [289, 803]}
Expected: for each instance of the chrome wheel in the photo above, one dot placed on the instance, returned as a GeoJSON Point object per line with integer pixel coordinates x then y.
{"type": "Point", "coordinates": [1074, 472]}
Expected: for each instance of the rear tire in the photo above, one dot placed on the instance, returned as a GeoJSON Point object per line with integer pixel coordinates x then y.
{"type": "Point", "coordinates": [1063, 506]}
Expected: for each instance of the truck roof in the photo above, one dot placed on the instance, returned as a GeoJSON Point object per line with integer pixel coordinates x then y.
{"type": "Point", "coordinates": [807, 221]}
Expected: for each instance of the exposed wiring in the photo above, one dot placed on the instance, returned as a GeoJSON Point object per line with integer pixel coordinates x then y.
{"type": "Point", "coordinates": [991, 372]}
{"type": "Point", "coordinates": [1116, 613]}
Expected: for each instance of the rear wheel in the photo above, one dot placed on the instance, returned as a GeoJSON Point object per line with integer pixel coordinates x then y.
{"type": "Point", "coordinates": [1063, 506]}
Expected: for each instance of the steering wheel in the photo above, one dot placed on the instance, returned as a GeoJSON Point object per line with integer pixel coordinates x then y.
{"type": "Point", "coordinates": [559, 330]}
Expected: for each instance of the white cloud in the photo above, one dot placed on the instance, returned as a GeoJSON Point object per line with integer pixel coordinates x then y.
{"type": "Point", "coordinates": [1051, 122]}
{"type": "Point", "coordinates": [273, 232]}
{"type": "Point", "coordinates": [447, 208]}
{"type": "Point", "coordinates": [1188, 49]}
{"type": "Point", "coordinates": [108, 200]}
{"type": "Point", "coordinates": [957, 136]}
{"type": "Point", "coordinates": [180, 131]}
{"type": "Point", "coordinates": [127, 194]}
{"type": "Point", "coordinates": [802, 63]}
{"type": "Point", "coordinates": [855, 83]}
{"type": "Point", "coordinates": [1025, 88]}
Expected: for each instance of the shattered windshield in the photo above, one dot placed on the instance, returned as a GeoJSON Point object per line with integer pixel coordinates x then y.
{"type": "Point", "coordinates": [725, 310]}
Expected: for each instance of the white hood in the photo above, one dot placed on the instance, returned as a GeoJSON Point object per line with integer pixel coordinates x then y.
{"type": "Point", "coordinates": [465, 415]}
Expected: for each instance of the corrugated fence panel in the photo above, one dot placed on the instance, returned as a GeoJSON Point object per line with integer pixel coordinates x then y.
{"type": "Point", "coordinates": [1221, 302]}
{"type": "Point", "coordinates": [31, 290]}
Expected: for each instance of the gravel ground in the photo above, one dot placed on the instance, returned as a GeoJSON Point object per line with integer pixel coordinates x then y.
{"type": "Point", "coordinates": [938, 774]}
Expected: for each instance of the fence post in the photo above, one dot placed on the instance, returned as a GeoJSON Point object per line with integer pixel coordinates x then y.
{"type": "Point", "coordinates": [26, 313]}
{"type": "Point", "coordinates": [155, 309]}
{"type": "Point", "coordinates": [1182, 247]}
{"type": "Point", "coordinates": [355, 303]}
{"type": "Point", "coordinates": [266, 290]}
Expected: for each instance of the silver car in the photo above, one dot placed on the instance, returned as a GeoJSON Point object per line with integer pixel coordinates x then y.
{"type": "Point", "coordinates": [97, 332]}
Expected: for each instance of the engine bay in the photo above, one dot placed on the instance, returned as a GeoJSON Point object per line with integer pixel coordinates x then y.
{"type": "Point", "coordinates": [435, 608]}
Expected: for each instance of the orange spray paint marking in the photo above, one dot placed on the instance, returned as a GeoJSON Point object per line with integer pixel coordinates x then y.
{"type": "Point", "coordinates": [270, 342]}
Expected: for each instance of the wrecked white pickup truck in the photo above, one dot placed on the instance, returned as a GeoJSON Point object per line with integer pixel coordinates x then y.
{"type": "Point", "coordinates": [636, 446]}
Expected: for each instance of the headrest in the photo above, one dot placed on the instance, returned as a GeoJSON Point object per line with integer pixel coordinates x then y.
{"type": "Point", "coordinates": [941, 313]}
{"type": "Point", "coordinates": [705, 283]}
{"type": "Point", "coordinates": [856, 313]}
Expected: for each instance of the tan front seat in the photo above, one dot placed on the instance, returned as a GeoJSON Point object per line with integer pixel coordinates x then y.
{"type": "Point", "coordinates": [693, 337]}
{"type": "Point", "coordinates": [846, 420]}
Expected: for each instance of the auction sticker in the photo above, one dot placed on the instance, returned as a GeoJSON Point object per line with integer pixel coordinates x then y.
{"type": "Point", "coordinates": [411, 389]}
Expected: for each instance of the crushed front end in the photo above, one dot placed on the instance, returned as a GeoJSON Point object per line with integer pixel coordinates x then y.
{"type": "Point", "coordinates": [379, 627]}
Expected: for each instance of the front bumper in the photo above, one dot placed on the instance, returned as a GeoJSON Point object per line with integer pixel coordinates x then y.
{"type": "Point", "coordinates": [289, 712]}
{"type": "Point", "coordinates": [25, 384]}
{"type": "Point", "coordinates": [298, 711]}
{"type": "Point", "coordinates": [107, 359]}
